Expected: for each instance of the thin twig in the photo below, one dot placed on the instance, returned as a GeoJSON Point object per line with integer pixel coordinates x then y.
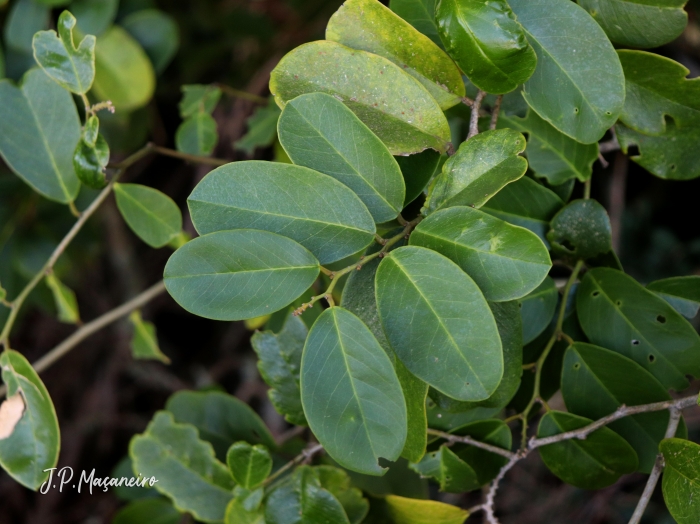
{"type": "Point", "coordinates": [305, 455]}
{"type": "Point", "coordinates": [656, 471]}
{"type": "Point", "coordinates": [191, 158]}
{"type": "Point", "coordinates": [472, 442]}
{"type": "Point", "coordinates": [92, 327]}
{"type": "Point", "coordinates": [493, 489]}
{"type": "Point", "coordinates": [495, 112]}
{"type": "Point", "coordinates": [237, 93]}
{"type": "Point", "coordinates": [609, 146]}
{"type": "Point", "coordinates": [474, 120]}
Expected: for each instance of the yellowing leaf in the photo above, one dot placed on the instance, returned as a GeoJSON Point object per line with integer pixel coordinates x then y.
{"type": "Point", "coordinates": [415, 511]}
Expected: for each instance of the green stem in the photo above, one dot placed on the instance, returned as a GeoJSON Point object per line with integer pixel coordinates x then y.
{"type": "Point", "coordinates": [556, 335]}
{"type": "Point", "coordinates": [587, 189]}
{"type": "Point", "coordinates": [237, 93]}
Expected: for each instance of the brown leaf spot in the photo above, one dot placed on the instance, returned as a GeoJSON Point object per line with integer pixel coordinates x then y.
{"type": "Point", "coordinates": [11, 411]}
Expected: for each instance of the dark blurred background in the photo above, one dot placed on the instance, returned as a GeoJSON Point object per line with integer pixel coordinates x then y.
{"type": "Point", "coordinates": [103, 396]}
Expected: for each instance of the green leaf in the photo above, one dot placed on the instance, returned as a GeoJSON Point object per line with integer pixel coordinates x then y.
{"type": "Point", "coordinates": [369, 26]}
{"type": "Point", "coordinates": [657, 87]}
{"type": "Point", "coordinates": [527, 204]}
{"type": "Point", "coordinates": [389, 101]}
{"type": "Point", "coordinates": [151, 510]}
{"type": "Point", "coordinates": [448, 470]}
{"type": "Point", "coordinates": [262, 128]}
{"type": "Point", "coordinates": [319, 132]}
{"type": "Point", "coordinates": [595, 462]}
{"type": "Point", "coordinates": [64, 298]}
{"type": "Point", "coordinates": [317, 211]}
{"type": "Point", "coordinates": [417, 170]}
{"type": "Point", "coordinates": [249, 465]}
{"type": "Point", "coordinates": [152, 215]}
{"type": "Point", "coordinates": [29, 446]}
{"type": "Point", "coordinates": [667, 155]}
{"type": "Point", "coordinates": [639, 24]}
{"type": "Point", "coordinates": [197, 135]}
{"type": "Point", "coordinates": [616, 312]}
{"type": "Point", "coordinates": [487, 42]}
{"type": "Point", "coordinates": [597, 381]}
{"type": "Point", "coordinates": [351, 394]}
{"type": "Point", "coordinates": [39, 129]}
{"type": "Point", "coordinates": [683, 293]}
{"type": "Point", "coordinates": [681, 479]}
{"type": "Point", "coordinates": [185, 467]}
{"type": "Point", "coordinates": [581, 230]}
{"type": "Point", "coordinates": [123, 73]}
{"type": "Point", "coordinates": [94, 16]}
{"type": "Point", "coordinates": [537, 309]}
{"type": "Point", "coordinates": [415, 392]}
{"type": "Point", "coordinates": [302, 500]}
{"type": "Point", "coordinates": [221, 419]}
{"type": "Point", "coordinates": [198, 98]}
{"type": "Point", "coordinates": [239, 274]}
{"type": "Point", "coordinates": [91, 155]}
{"type": "Point", "coordinates": [583, 105]}
{"type": "Point", "coordinates": [158, 34]}
{"type": "Point", "coordinates": [144, 343]}
{"type": "Point", "coordinates": [420, 14]}
{"type": "Point", "coordinates": [72, 67]}
{"type": "Point", "coordinates": [414, 511]}
{"type": "Point", "coordinates": [439, 323]}
{"type": "Point", "coordinates": [338, 482]}
{"type": "Point", "coordinates": [550, 153]}
{"type": "Point", "coordinates": [279, 362]}
{"type": "Point", "coordinates": [482, 166]}
{"type": "Point", "coordinates": [505, 261]}
{"type": "Point", "coordinates": [25, 18]}
{"type": "Point", "coordinates": [245, 508]}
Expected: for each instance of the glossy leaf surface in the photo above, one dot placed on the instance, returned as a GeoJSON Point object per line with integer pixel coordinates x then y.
{"type": "Point", "coordinates": [152, 215]}
{"type": "Point", "coordinates": [581, 230]}
{"type": "Point", "coordinates": [369, 26]}
{"type": "Point", "coordinates": [651, 23]}
{"type": "Point", "coordinates": [597, 381]}
{"type": "Point", "coordinates": [185, 466]}
{"type": "Point", "coordinates": [280, 363]}
{"type": "Point", "coordinates": [33, 444]}
{"type": "Point", "coordinates": [563, 90]}
{"type": "Point", "coordinates": [238, 274]}
{"type": "Point", "coordinates": [681, 482]}
{"type": "Point", "coordinates": [319, 132]}
{"type": "Point", "coordinates": [416, 511]}
{"type": "Point", "coordinates": [505, 261]}
{"type": "Point", "coordinates": [220, 419]}
{"type": "Point", "coordinates": [594, 463]}
{"type": "Point", "coordinates": [351, 394]}
{"type": "Point", "coordinates": [39, 129]}
{"type": "Point", "coordinates": [550, 153]}
{"type": "Point", "coordinates": [72, 67]}
{"type": "Point", "coordinates": [320, 213]}
{"type": "Point", "coordinates": [249, 465]}
{"type": "Point", "coordinates": [368, 84]}
{"type": "Point", "coordinates": [683, 293]}
{"type": "Point", "coordinates": [439, 323]}
{"type": "Point", "coordinates": [487, 42]}
{"type": "Point", "coordinates": [91, 155]}
{"type": "Point", "coordinates": [619, 314]}
{"type": "Point", "coordinates": [480, 168]}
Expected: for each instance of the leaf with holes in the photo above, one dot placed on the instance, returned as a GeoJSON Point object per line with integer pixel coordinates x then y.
{"type": "Point", "coordinates": [616, 312]}
{"type": "Point", "coordinates": [439, 323]}
{"type": "Point", "coordinates": [322, 214]}
{"type": "Point", "coordinates": [482, 166]}
{"type": "Point", "coordinates": [39, 130]}
{"type": "Point", "coordinates": [506, 262]}
{"type": "Point", "coordinates": [681, 484]}
{"type": "Point", "coordinates": [550, 153]}
{"type": "Point", "coordinates": [72, 67]}
{"type": "Point", "coordinates": [487, 42]}
{"type": "Point", "coordinates": [321, 133]}
{"type": "Point", "coordinates": [30, 448]}
{"type": "Point", "coordinates": [683, 293]}
{"type": "Point", "coordinates": [563, 90]}
{"type": "Point", "coordinates": [651, 23]}
{"type": "Point", "coordinates": [351, 394]}
{"type": "Point", "coordinates": [597, 381]}
{"type": "Point", "coordinates": [525, 203]}
{"type": "Point", "coordinates": [594, 463]}
{"type": "Point", "coordinates": [369, 26]}
{"type": "Point", "coordinates": [152, 215]}
{"type": "Point", "coordinates": [581, 230]}
{"type": "Point", "coordinates": [392, 103]}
